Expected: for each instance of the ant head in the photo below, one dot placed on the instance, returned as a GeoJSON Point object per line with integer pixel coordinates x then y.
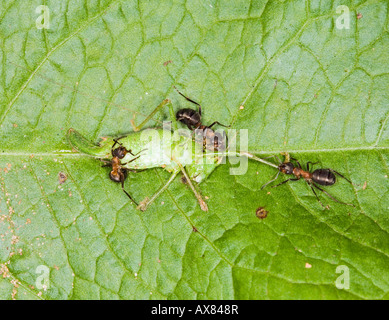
{"type": "Point", "coordinates": [286, 167]}
{"type": "Point", "coordinates": [119, 152]}
{"type": "Point", "coordinates": [189, 117]}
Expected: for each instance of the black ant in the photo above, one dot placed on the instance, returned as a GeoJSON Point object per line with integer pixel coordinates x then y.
{"type": "Point", "coordinates": [192, 119]}
{"type": "Point", "coordinates": [118, 173]}
{"type": "Point", "coordinates": [323, 177]}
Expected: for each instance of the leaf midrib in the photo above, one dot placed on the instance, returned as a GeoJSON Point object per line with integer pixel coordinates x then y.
{"type": "Point", "coordinates": [81, 155]}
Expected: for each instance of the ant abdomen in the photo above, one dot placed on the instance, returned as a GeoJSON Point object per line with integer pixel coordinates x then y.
{"type": "Point", "coordinates": [115, 177]}
{"type": "Point", "coordinates": [323, 177]}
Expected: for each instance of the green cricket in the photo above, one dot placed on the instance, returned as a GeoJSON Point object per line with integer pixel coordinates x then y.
{"type": "Point", "coordinates": [171, 149]}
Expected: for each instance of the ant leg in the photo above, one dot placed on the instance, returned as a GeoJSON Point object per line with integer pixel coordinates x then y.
{"type": "Point", "coordinates": [271, 180]}
{"type": "Point", "coordinates": [342, 176]}
{"type": "Point", "coordinates": [291, 179]}
{"type": "Point", "coordinates": [133, 159]}
{"type": "Point", "coordinates": [151, 115]}
{"type": "Point", "coordinates": [314, 192]}
{"type": "Point", "coordinates": [189, 99]}
{"type": "Point", "coordinates": [311, 163]}
{"type": "Point", "coordinates": [128, 195]}
{"type": "Point", "coordinates": [116, 140]}
{"type": "Point", "coordinates": [146, 202]}
{"type": "Point", "coordinates": [298, 163]}
{"type": "Point", "coordinates": [202, 203]}
{"type": "Point", "coordinates": [217, 122]}
{"type": "Point", "coordinates": [349, 204]}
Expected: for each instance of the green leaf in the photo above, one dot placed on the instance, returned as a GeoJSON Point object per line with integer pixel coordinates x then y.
{"type": "Point", "coordinates": [305, 87]}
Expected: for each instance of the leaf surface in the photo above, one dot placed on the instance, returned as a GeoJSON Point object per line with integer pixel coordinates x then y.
{"type": "Point", "coordinates": [281, 69]}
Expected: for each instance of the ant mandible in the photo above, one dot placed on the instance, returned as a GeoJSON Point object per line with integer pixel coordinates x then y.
{"type": "Point", "coordinates": [324, 177]}
{"type": "Point", "coordinates": [192, 119]}
{"type": "Point", "coordinates": [118, 173]}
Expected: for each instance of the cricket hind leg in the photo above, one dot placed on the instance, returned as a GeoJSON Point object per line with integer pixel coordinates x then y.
{"type": "Point", "coordinates": [147, 201]}
{"type": "Point", "coordinates": [202, 203]}
{"type": "Point", "coordinates": [151, 115]}
{"type": "Point", "coordinates": [274, 179]}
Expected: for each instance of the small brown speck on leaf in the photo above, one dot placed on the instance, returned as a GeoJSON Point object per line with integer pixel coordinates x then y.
{"type": "Point", "coordinates": [62, 177]}
{"type": "Point", "coordinates": [364, 185]}
{"type": "Point", "coordinates": [167, 62]}
{"type": "Point", "coordinates": [359, 15]}
{"type": "Point", "coordinates": [261, 213]}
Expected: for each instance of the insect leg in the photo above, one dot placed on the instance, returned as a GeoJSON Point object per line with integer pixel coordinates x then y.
{"type": "Point", "coordinates": [202, 203]}
{"type": "Point", "coordinates": [133, 159]}
{"type": "Point", "coordinates": [117, 141]}
{"type": "Point", "coordinates": [146, 202]}
{"type": "Point", "coordinates": [122, 178]}
{"type": "Point", "coordinates": [217, 122]}
{"type": "Point", "coordinates": [189, 99]}
{"type": "Point", "coordinates": [342, 176]}
{"type": "Point", "coordinates": [271, 180]}
{"type": "Point", "coordinates": [314, 192]}
{"type": "Point", "coordinates": [252, 157]}
{"type": "Point", "coordinates": [336, 200]}
{"type": "Point", "coordinates": [298, 163]}
{"type": "Point", "coordinates": [286, 155]}
{"type": "Point", "coordinates": [273, 156]}
{"type": "Point", "coordinates": [160, 106]}
{"type": "Point", "coordinates": [291, 179]}
{"type": "Point", "coordinates": [311, 163]}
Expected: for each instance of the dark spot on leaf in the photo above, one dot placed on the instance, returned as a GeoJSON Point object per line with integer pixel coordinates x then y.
{"type": "Point", "coordinates": [261, 213]}
{"type": "Point", "coordinates": [62, 177]}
